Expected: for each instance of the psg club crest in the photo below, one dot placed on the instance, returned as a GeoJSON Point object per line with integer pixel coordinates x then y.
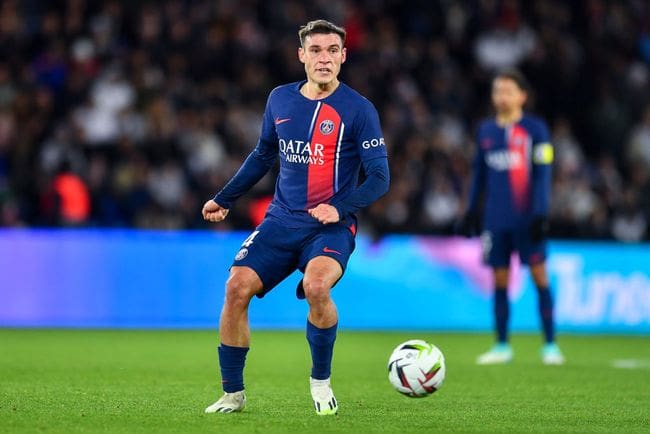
{"type": "Point", "coordinates": [241, 254]}
{"type": "Point", "coordinates": [327, 126]}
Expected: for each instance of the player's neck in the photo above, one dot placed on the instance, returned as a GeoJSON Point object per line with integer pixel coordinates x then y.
{"type": "Point", "coordinates": [509, 118]}
{"type": "Point", "coordinates": [313, 90]}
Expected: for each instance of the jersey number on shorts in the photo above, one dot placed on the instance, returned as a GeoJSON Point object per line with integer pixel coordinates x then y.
{"type": "Point", "coordinates": [248, 241]}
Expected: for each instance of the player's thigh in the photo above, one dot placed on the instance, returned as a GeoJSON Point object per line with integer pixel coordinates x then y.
{"type": "Point", "coordinates": [271, 251]}
{"type": "Point", "coordinates": [335, 243]}
{"type": "Point", "coordinates": [497, 247]}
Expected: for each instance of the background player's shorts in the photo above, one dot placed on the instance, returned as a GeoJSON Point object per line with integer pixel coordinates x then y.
{"type": "Point", "coordinates": [275, 251]}
{"type": "Point", "coordinates": [498, 247]}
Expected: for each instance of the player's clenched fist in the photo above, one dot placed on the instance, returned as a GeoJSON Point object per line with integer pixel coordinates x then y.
{"type": "Point", "coordinates": [213, 212]}
{"type": "Point", "coordinates": [324, 213]}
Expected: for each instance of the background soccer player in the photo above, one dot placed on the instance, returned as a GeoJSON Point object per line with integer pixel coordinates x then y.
{"type": "Point", "coordinates": [512, 170]}
{"type": "Point", "coordinates": [324, 133]}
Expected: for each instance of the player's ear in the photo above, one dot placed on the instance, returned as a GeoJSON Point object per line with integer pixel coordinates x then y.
{"type": "Point", "coordinates": [301, 54]}
{"type": "Point", "coordinates": [344, 53]}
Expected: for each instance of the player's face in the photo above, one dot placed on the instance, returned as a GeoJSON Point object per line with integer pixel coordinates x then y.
{"type": "Point", "coordinates": [322, 55]}
{"type": "Point", "coordinates": [507, 96]}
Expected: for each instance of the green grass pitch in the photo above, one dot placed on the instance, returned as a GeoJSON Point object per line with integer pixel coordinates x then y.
{"type": "Point", "coordinates": [78, 381]}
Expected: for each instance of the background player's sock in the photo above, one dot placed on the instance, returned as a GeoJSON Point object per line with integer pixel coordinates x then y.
{"type": "Point", "coordinates": [321, 344]}
{"type": "Point", "coordinates": [545, 302]}
{"type": "Point", "coordinates": [501, 314]}
{"type": "Point", "coordinates": [231, 361]}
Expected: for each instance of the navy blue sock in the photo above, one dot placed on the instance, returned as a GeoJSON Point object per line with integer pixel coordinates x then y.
{"type": "Point", "coordinates": [501, 314]}
{"type": "Point", "coordinates": [321, 344]}
{"type": "Point", "coordinates": [231, 361]}
{"type": "Point", "coordinates": [545, 302]}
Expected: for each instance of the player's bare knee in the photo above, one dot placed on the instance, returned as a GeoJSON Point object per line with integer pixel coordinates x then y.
{"type": "Point", "coordinates": [239, 291]}
{"type": "Point", "coordinates": [539, 275]}
{"type": "Point", "coordinates": [317, 291]}
{"type": "Point", "coordinates": [541, 284]}
{"type": "Point", "coordinates": [501, 277]}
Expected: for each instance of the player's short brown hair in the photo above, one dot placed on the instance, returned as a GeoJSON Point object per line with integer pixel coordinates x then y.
{"type": "Point", "coordinates": [320, 26]}
{"type": "Point", "coordinates": [516, 76]}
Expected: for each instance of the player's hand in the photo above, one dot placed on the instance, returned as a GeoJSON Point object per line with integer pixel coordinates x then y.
{"type": "Point", "coordinates": [538, 229]}
{"type": "Point", "coordinates": [469, 225]}
{"type": "Point", "coordinates": [213, 212]}
{"type": "Point", "coordinates": [325, 213]}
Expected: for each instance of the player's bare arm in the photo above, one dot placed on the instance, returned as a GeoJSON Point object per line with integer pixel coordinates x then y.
{"type": "Point", "coordinates": [213, 212]}
{"type": "Point", "coordinates": [325, 213]}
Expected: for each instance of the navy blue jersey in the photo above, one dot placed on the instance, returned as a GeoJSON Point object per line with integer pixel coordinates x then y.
{"type": "Point", "coordinates": [512, 170]}
{"type": "Point", "coordinates": [322, 145]}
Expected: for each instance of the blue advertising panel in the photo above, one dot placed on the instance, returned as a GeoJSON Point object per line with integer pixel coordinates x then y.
{"type": "Point", "coordinates": [127, 278]}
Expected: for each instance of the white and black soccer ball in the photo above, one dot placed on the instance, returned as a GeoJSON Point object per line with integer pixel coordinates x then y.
{"type": "Point", "coordinates": [416, 368]}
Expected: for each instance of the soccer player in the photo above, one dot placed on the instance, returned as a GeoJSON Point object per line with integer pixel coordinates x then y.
{"type": "Point", "coordinates": [324, 133]}
{"type": "Point", "coordinates": [512, 176]}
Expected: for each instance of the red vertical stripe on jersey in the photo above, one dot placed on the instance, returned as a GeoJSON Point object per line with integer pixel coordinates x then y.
{"type": "Point", "coordinates": [519, 149]}
{"type": "Point", "coordinates": [320, 177]}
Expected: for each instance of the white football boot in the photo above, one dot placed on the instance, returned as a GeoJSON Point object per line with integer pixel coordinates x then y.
{"type": "Point", "coordinates": [324, 400]}
{"type": "Point", "coordinates": [228, 403]}
{"type": "Point", "coordinates": [499, 354]}
{"type": "Point", "coordinates": [551, 355]}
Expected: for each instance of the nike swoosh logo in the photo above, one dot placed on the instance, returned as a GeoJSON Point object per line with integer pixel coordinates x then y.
{"type": "Point", "coordinates": [328, 250]}
{"type": "Point", "coordinates": [279, 121]}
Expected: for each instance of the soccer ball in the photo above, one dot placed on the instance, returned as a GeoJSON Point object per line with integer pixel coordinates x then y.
{"type": "Point", "coordinates": [416, 368]}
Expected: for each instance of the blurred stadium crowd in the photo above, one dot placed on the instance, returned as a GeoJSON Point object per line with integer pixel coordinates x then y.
{"type": "Point", "coordinates": [133, 113]}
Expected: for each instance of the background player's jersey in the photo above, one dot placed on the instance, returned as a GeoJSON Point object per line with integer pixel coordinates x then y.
{"type": "Point", "coordinates": [512, 170]}
{"type": "Point", "coordinates": [322, 145]}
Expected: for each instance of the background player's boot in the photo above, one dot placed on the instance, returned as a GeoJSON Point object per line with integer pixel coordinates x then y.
{"type": "Point", "coordinates": [551, 354]}
{"type": "Point", "coordinates": [321, 393]}
{"type": "Point", "coordinates": [228, 403]}
{"type": "Point", "coordinates": [499, 354]}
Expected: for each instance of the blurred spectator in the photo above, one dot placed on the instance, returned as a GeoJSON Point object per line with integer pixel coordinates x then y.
{"type": "Point", "coordinates": [638, 145]}
{"type": "Point", "coordinates": [66, 201]}
{"type": "Point", "coordinates": [99, 120]}
{"type": "Point", "coordinates": [508, 41]}
{"type": "Point", "coordinates": [441, 204]}
{"type": "Point", "coordinates": [569, 157]}
{"type": "Point", "coordinates": [628, 223]}
{"type": "Point", "coordinates": [153, 105]}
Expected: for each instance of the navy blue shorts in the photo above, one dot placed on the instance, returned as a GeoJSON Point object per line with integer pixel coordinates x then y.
{"type": "Point", "coordinates": [275, 251]}
{"type": "Point", "coordinates": [499, 245]}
